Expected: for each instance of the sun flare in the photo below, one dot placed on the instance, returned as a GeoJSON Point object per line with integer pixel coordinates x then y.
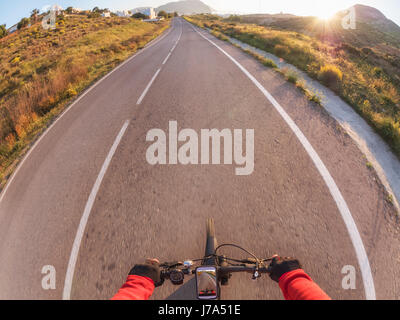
{"type": "Point", "coordinates": [325, 16]}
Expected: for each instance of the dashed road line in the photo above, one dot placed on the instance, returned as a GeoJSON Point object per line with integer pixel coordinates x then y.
{"type": "Point", "coordinates": [85, 216]}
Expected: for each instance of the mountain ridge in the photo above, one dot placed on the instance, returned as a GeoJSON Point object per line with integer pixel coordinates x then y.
{"type": "Point", "coordinates": [185, 7]}
{"type": "Point", "coordinates": [372, 26]}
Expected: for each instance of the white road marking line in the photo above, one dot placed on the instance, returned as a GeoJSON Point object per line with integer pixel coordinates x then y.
{"type": "Point", "coordinates": [158, 71]}
{"type": "Point", "coordinates": [88, 208]}
{"type": "Point", "coordinates": [148, 87]}
{"type": "Point", "coordinates": [176, 43]}
{"type": "Point", "coordinates": [166, 59]}
{"type": "Point", "coordinates": [149, 45]}
{"type": "Point", "coordinates": [351, 226]}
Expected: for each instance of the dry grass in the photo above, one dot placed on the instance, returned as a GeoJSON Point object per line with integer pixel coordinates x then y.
{"type": "Point", "coordinates": [42, 70]}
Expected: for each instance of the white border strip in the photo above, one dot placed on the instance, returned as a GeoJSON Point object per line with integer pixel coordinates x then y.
{"type": "Point", "coordinates": [166, 59]}
{"type": "Point", "coordinates": [84, 219]}
{"type": "Point", "coordinates": [148, 87]}
{"type": "Point", "coordinates": [333, 188]}
{"type": "Point", "coordinates": [149, 45]}
{"type": "Point", "coordinates": [88, 208]}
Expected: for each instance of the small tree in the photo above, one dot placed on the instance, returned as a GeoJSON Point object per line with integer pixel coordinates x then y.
{"type": "Point", "coordinates": [23, 23]}
{"type": "Point", "coordinates": [3, 31]}
{"type": "Point", "coordinates": [69, 10]}
{"type": "Point", "coordinates": [34, 15]}
{"type": "Point", "coordinates": [139, 15]}
{"type": "Point", "coordinates": [162, 13]}
{"type": "Point", "coordinates": [176, 14]}
{"type": "Point", "coordinates": [94, 14]}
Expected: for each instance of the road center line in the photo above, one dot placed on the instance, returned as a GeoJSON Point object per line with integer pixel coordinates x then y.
{"type": "Point", "coordinates": [148, 87]}
{"type": "Point", "coordinates": [92, 197]}
{"type": "Point", "coordinates": [88, 208]}
{"type": "Point", "coordinates": [344, 210]}
{"type": "Point", "coordinates": [176, 43]}
{"type": "Point", "coordinates": [158, 71]}
{"type": "Point", "coordinates": [166, 59]}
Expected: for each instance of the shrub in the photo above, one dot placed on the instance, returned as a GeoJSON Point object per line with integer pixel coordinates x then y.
{"type": "Point", "coordinates": [234, 18]}
{"type": "Point", "coordinates": [162, 13]}
{"type": "Point", "coordinates": [15, 60]}
{"type": "Point", "coordinates": [23, 23]}
{"type": "Point", "coordinates": [389, 129]}
{"type": "Point", "coordinates": [115, 47]}
{"type": "Point", "coordinates": [377, 71]}
{"type": "Point", "coordinates": [94, 14]}
{"type": "Point", "coordinates": [350, 49]}
{"type": "Point", "coordinates": [281, 50]}
{"type": "Point", "coordinates": [3, 31]}
{"type": "Point", "coordinates": [330, 75]}
{"type": "Point", "coordinates": [292, 77]}
{"type": "Point", "coordinates": [10, 141]}
{"type": "Point", "coordinates": [139, 15]}
{"type": "Point", "coordinates": [70, 93]}
{"type": "Point", "coordinates": [315, 98]}
{"type": "Point", "coordinates": [269, 63]}
{"type": "Point", "coordinates": [367, 51]}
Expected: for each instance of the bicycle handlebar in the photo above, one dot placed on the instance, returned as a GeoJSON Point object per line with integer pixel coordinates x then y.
{"type": "Point", "coordinates": [222, 270]}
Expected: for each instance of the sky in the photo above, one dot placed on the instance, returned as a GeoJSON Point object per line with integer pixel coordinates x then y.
{"type": "Point", "coordinates": [12, 11]}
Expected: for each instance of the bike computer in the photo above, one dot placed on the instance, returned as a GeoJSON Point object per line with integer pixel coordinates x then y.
{"type": "Point", "coordinates": [207, 283]}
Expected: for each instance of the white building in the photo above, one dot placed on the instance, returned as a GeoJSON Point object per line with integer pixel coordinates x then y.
{"type": "Point", "coordinates": [123, 13]}
{"type": "Point", "coordinates": [148, 11]}
{"type": "Point", "coordinates": [106, 14]}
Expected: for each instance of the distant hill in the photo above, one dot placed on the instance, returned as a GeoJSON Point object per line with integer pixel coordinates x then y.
{"type": "Point", "coordinates": [373, 28]}
{"type": "Point", "coordinates": [265, 18]}
{"type": "Point", "coordinates": [185, 7]}
{"type": "Point", "coordinates": [377, 19]}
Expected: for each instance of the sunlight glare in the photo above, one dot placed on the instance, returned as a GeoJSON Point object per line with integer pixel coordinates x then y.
{"type": "Point", "coordinates": [326, 15]}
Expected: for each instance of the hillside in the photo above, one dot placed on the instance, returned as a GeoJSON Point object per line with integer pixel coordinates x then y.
{"type": "Point", "coordinates": [185, 7]}
{"type": "Point", "coordinates": [377, 19]}
{"type": "Point", "coordinates": [265, 19]}
{"type": "Point", "coordinates": [373, 28]}
{"type": "Point", "coordinates": [42, 70]}
{"type": "Point", "coordinates": [374, 34]}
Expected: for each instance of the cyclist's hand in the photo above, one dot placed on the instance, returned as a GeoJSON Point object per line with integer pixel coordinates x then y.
{"type": "Point", "coordinates": [279, 266]}
{"type": "Point", "coordinates": [151, 269]}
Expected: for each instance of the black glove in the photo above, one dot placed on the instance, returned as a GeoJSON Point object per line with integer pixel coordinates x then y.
{"type": "Point", "coordinates": [279, 266]}
{"type": "Point", "coordinates": [151, 269]}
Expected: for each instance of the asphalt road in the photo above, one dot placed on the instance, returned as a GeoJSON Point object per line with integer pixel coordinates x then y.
{"type": "Point", "coordinates": [86, 201]}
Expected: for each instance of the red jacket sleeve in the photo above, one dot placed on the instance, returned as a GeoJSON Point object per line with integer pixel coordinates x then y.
{"type": "Point", "coordinates": [297, 285]}
{"type": "Point", "coordinates": [135, 288]}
